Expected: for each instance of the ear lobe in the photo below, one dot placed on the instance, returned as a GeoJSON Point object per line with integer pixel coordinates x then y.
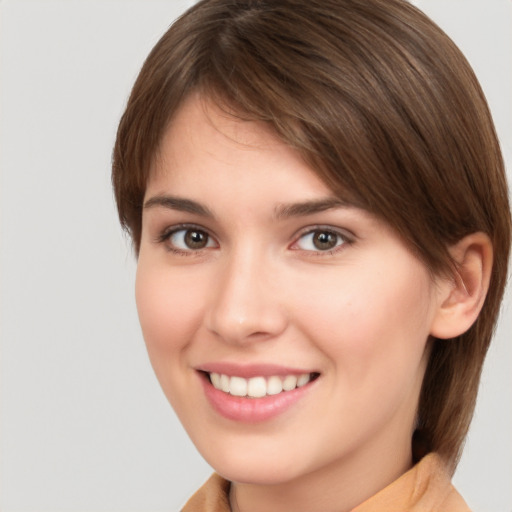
{"type": "Point", "coordinates": [462, 296]}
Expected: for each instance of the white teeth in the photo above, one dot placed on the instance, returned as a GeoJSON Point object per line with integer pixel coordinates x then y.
{"type": "Point", "coordinates": [289, 382]}
{"type": "Point", "coordinates": [303, 380]}
{"type": "Point", "coordinates": [238, 386]}
{"type": "Point", "coordinates": [215, 377]}
{"type": "Point", "coordinates": [224, 383]}
{"type": "Point", "coordinates": [274, 386]}
{"type": "Point", "coordinates": [257, 387]}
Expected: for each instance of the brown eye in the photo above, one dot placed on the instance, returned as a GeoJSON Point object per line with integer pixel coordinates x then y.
{"type": "Point", "coordinates": [320, 240]}
{"type": "Point", "coordinates": [325, 240]}
{"type": "Point", "coordinates": [190, 239]}
{"type": "Point", "coordinates": [195, 239]}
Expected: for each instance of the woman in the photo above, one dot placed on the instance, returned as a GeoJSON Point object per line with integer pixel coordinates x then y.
{"type": "Point", "coordinates": [317, 200]}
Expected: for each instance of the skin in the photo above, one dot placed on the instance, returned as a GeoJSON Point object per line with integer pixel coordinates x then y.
{"type": "Point", "coordinates": [261, 292]}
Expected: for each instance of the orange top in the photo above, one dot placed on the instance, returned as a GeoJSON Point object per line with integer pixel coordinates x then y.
{"type": "Point", "coordinates": [426, 487]}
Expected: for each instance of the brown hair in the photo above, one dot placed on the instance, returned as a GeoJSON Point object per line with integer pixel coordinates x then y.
{"type": "Point", "coordinates": [382, 105]}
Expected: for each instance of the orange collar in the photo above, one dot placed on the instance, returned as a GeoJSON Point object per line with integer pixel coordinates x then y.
{"type": "Point", "coordinates": [426, 487]}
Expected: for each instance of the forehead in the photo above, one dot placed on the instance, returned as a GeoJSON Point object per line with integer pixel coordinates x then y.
{"type": "Point", "coordinates": [199, 119]}
{"type": "Point", "coordinates": [205, 142]}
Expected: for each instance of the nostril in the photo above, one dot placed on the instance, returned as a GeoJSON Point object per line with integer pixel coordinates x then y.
{"type": "Point", "coordinates": [259, 334]}
{"type": "Point", "coordinates": [260, 327]}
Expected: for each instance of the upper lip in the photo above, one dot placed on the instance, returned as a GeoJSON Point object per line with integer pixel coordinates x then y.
{"type": "Point", "coordinates": [251, 370]}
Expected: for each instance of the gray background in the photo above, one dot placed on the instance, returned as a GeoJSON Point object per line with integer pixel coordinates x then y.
{"type": "Point", "coordinates": [84, 425]}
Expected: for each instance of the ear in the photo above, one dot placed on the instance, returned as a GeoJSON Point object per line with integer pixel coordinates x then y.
{"type": "Point", "coordinates": [462, 296]}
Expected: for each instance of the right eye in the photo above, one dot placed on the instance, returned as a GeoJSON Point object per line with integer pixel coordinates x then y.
{"type": "Point", "coordinates": [189, 239]}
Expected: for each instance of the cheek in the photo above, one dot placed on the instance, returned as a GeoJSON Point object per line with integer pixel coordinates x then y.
{"type": "Point", "coordinates": [169, 310]}
{"type": "Point", "coordinates": [377, 326]}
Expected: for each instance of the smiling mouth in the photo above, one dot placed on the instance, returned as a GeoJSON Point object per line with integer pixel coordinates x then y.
{"type": "Point", "coordinates": [259, 387]}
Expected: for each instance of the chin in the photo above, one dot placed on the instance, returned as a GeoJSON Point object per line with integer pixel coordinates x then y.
{"type": "Point", "coordinates": [253, 463]}
{"type": "Point", "coordinates": [258, 473]}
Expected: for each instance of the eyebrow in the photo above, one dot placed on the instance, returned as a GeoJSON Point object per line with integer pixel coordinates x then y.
{"type": "Point", "coordinates": [286, 211]}
{"type": "Point", "coordinates": [283, 211]}
{"type": "Point", "coordinates": [179, 204]}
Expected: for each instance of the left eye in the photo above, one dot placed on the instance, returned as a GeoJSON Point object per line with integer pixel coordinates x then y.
{"type": "Point", "coordinates": [191, 239]}
{"type": "Point", "coordinates": [320, 240]}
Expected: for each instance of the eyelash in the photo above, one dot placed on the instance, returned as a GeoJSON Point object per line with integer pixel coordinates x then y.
{"type": "Point", "coordinates": [343, 240]}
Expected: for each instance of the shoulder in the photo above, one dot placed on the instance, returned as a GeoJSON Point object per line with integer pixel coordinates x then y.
{"type": "Point", "coordinates": [426, 487]}
{"type": "Point", "coordinates": [213, 496]}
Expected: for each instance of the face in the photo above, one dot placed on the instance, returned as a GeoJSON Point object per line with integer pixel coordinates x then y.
{"type": "Point", "coordinates": [283, 324]}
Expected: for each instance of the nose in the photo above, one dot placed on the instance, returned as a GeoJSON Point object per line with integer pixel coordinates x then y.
{"type": "Point", "coordinates": [245, 305]}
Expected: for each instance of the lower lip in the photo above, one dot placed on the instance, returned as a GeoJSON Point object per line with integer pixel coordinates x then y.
{"type": "Point", "coordinates": [252, 410]}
